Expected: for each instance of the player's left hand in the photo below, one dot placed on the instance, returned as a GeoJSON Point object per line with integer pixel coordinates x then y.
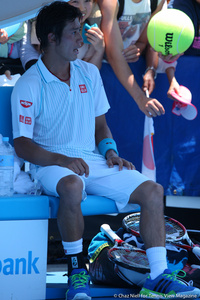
{"type": "Point", "coordinates": [121, 162]}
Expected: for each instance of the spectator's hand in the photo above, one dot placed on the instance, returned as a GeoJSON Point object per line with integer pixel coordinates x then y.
{"type": "Point", "coordinates": [169, 58]}
{"type": "Point", "coordinates": [96, 38]}
{"type": "Point", "coordinates": [148, 81]}
{"type": "Point", "coordinates": [114, 159]}
{"type": "Point", "coordinates": [131, 53]}
{"type": "Point", "coordinates": [174, 87]}
{"type": "Point", "coordinates": [151, 107]}
{"type": "Point", "coordinates": [77, 165]}
{"type": "Point", "coordinates": [3, 36]}
{"type": "Point", "coordinates": [8, 74]}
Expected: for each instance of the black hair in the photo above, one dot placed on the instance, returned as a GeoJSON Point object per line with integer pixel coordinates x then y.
{"type": "Point", "coordinates": [52, 18]}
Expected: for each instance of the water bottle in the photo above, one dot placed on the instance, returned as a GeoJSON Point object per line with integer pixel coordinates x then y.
{"type": "Point", "coordinates": [6, 167]}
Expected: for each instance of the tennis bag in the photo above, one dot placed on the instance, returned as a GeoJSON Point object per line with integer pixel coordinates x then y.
{"type": "Point", "coordinates": [104, 271]}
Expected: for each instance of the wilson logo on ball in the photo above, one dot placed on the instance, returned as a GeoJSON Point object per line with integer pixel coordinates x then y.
{"type": "Point", "coordinates": [168, 43]}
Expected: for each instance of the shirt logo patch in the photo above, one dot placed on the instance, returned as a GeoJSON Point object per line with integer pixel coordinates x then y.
{"type": "Point", "coordinates": [83, 88]}
{"type": "Point", "coordinates": [25, 103]}
{"type": "Point", "coordinates": [21, 118]}
{"type": "Point", "coordinates": [25, 120]}
{"type": "Point", "coordinates": [28, 121]}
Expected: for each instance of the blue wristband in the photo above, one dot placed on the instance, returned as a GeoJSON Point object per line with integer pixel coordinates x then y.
{"type": "Point", "coordinates": [107, 144]}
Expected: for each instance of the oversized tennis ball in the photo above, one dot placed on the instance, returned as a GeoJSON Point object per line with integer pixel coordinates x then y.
{"type": "Point", "coordinates": [170, 31]}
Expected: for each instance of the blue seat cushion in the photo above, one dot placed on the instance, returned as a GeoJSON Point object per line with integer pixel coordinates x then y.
{"type": "Point", "coordinates": [24, 207]}
{"type": "Point", "coordinates": [92, 205]}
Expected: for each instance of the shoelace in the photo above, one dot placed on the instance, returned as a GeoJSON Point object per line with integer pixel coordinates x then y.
{"type": "Point", "coordinates": [181, 274]}
{"type": "Point", "coordinates": [174, 276]}
{"type": "Point", "coordinates": [79, 280]}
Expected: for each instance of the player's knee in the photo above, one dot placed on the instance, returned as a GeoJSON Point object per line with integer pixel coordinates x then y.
{"type": "Point", "coordinates": [70, 186]}
{"type": "Point", "coordinates": [157, 189]}
{"type": "Point", "coordinates": [155, 195]}
{"type": "Point", "coordinates": [150, 195]}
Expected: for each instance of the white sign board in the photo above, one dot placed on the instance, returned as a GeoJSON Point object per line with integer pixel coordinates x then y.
{"type": "Point", "coordinates": [23, 259]}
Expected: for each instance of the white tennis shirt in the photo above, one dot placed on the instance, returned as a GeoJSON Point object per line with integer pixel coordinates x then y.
{"type": "Point", "coordinates": [57, 117]}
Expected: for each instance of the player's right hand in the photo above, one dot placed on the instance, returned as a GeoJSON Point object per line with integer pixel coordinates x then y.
{"type": "Point", "coordinates": [77, 165]}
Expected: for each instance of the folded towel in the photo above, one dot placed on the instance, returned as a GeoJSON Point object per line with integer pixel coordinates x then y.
{"type": "Point", "coordinates": [22, 181]}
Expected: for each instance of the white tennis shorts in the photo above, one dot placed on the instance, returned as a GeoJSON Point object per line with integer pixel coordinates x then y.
{"type": "Point", "coordinates": [102, 181]}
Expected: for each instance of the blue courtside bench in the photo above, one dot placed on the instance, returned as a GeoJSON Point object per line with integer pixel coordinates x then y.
{"type": "Point", "coordinates": [23, 254]}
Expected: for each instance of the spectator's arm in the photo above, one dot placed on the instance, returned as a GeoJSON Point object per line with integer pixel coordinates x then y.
{"type": "Point", "coordinates": [3, 36]}
{"type": "Point", "coordinates": [150, 73]}
{"type": "Point", "coordinates": [28, 54]}
{"type": "Point", "coordinates": [173, 84]}
{"type": "Point", "coordinates": [114, 48]}
{"type": "Point", "coordinates": [96, 50]}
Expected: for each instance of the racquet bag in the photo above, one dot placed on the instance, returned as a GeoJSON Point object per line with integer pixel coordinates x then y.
{"type": "Point", "coordinates": [104, 271]}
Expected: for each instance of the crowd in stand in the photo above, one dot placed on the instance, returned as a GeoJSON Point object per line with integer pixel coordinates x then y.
{"type": "Point", "coordinates": [122, 45]}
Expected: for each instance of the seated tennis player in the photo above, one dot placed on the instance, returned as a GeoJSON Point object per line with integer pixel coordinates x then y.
{"type": "Point", "coordinates": [58, 109]}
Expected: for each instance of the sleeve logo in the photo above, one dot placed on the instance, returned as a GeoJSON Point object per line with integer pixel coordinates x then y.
{"type": "Point", "coordinates": [25, 104]}
{"type": "Point", "coordinates": [21, 118]}
{"type": "Point", "coordinates": [28, 120]}
{"type": "Point", "coordinates": [25, 120]}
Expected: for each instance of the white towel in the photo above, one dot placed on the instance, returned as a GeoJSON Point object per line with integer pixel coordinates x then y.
{"type": "Point", "coordinates": [22, 181]}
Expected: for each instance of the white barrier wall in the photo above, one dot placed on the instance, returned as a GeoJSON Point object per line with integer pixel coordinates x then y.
{"type": "Point", "coordinates": [23, 259]}
{"type": "Point", "coordinates": [23, 250]}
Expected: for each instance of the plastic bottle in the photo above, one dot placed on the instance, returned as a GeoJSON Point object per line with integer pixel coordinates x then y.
{"type": "Point", "coordinates": [6, 167]}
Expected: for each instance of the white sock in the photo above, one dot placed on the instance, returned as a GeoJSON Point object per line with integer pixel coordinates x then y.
{"type": "Point", "coordinates": [157, 260]}
{"type": "Point", "coordinates": [73, 247]}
